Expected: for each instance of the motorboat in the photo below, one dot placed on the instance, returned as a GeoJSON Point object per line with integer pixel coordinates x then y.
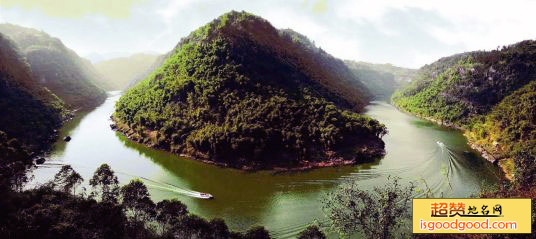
{"type": "Point", "coordinates": [206, 196]}
{"type": "Point", "coordinates": [441, 144]}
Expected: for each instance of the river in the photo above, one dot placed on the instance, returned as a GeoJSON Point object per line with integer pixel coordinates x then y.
{"type": "Point", "coordinates": [283, 203]}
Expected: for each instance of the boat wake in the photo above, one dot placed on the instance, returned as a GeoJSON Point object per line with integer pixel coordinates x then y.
{"type": "Point", "coordinates": [163, 186]}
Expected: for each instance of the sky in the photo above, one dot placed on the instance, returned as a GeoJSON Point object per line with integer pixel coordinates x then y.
{"type": "Point", "coordinates": [408, 33]}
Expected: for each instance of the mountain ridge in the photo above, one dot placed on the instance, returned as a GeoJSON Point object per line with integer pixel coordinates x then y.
{"type": "Point", "coordinates": [58, 68]}
{"type": "Point", "coordinates": [30, 113]}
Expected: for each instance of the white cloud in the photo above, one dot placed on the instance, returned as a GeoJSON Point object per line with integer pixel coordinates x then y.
{"type": "Point", "coordinates": [407, 33]}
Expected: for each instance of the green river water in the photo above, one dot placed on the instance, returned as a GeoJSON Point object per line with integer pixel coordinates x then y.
{"type": "Point", "coordinates": [283, 203]}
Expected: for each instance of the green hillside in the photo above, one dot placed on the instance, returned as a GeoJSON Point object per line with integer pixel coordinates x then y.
{"type": "Point", "coordinates": [239, 92]}
{"type": "Point", "coordinates": [119, 72]}
{"type": "Point", "coordinates": [490, 94]}
{"type": "Point", "coordinates": [30, 114]}
{"type": "Point", "coordinates": [57, 68]}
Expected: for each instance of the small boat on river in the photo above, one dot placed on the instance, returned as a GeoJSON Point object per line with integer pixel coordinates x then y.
{"type": "Point", "coordinates": [206, 196]}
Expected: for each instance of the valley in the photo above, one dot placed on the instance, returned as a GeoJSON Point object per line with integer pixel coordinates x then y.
{"type": "Point", "coordinates": [287, 202]}
{"type": "Point", "coordinates": [247, 129]}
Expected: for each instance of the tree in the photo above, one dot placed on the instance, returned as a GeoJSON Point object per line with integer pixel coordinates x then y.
{"type": "Point", "coordinates": [525, 165]}
{"type": "Point", "coordinates": [139, 209]}
{"type": "Point", "coordinates": [68, 179]}
{"type": "Point", "coordinates": [311, 232]}
{"type": "Point", "coordinates": [137, 201]}
{"type": "Point", "coordinates": [17, 175]}
{"type": "Point", "coordinates": [219, 229]}
{"type": "Point", "coordinates": [258, 232]}
{"type": "Point", "coordinates": [105, 184]}
{"type": "Point", "coordinates": [169, 212]}
{"type": "Point", "coordinates": [378, 214]}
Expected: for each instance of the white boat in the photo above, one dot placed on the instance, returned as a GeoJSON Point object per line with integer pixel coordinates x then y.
{"type": "Point", "coordinates": [441, 144]}
{"type": "Point", "coordinates": [206, 196]}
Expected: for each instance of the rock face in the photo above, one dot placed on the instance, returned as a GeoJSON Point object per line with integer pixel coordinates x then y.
{"type": "Point", "coordinates": [239, 92]}
{"type": "Point", "coordinates": [57, 68]}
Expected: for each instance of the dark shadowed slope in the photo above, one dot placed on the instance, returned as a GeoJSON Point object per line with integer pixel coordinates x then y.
{"type": "Point", "coordinates": [56, 67]}
{"type": "Point", "coordinates": [30, 113]}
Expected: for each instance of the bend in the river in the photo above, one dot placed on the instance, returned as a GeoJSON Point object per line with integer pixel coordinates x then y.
{"type": "Point", "coordinates": [284, 203]}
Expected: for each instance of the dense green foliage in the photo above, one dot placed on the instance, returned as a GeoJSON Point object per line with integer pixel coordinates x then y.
{"type": "Point", "coordinates": [459, 88]}
{"type": "Point", "coordinates": [54, 210]}
{"type": "Point", "coordinates": [239, 92]}
{"type": "Point", "coordinates": [119, 72]}
{"type": "Point", "coordinates": [312, 232]}
{"type": "Point", "coordinates": [30, 113]}
{"type": "Point", "coordinates": [57, 68]}
{"type": "Point", "coordinates": [489, 94]}
{"type": "Point", "coordinates": [509, 131]}
{"type": "Point", "coordinates": [381, 213]}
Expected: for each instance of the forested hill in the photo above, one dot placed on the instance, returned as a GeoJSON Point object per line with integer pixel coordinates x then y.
{"type": "Point", "coordinates": [56, 67]}
{"type": "Point", "coordinates": [491, 94]}
{"type": "Point", "coordinates": [381, 79]}
{"type": "Point", "coordinates": [119, 72]}
{"type": "Point", "coordinates": [30, 113]}
{"type": "Point", "coordinates": [334, 70]}
{"type": "Point", "coordinates": [239, 92]}
{"type": "Point", "coordinates": [339, 77]}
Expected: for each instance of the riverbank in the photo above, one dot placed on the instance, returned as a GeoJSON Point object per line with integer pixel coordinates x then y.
{"type": "Point", "coordinates": [283, 202]}
{"type": "Point", "coordinates": [151, 139]}
{"type": "Point", "coordinates": [506, 166]}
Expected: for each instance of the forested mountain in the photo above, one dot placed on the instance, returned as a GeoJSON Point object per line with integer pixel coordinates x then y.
{"type": "Point", "coordinates": [57, 68]}
{"type": "Point", "coordinates": [119, 72]}
{"type": "Point", "coordinates": [239, 92]}
{"type": "Point", "coordinates": [381, 79]}
{"type": "Point", "coordinates": [401, 75]}
{"type": "Point", "coordinates": [490, 94]}
{"type": "Point", "coordinates": [29, 116]}
{"type": "Point", "coordinates": [30, 113]}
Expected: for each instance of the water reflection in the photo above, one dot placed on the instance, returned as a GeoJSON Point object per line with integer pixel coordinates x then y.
{"type": "Point", "coordinates": [285, 203]}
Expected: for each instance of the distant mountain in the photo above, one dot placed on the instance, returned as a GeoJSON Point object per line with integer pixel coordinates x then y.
{"type": "Point", "coordinates": [119, 72]}
{"type": "Point", "coordinates": [56, 67]}
{"type": "Point", "coordinates": [241, 93]}
{"type": "Point", "coordinates": [490, 94]}
{"type": "Point", "coordinates": [157, 63]}
{"type": "Point", "coordinates": [98, 57]}
{"type": "Point", "coordinates": [29, 113]}
{"type": "Point", "coordinates": [401, 75]}
{"type": "Point", "coordinates": [381, 79]}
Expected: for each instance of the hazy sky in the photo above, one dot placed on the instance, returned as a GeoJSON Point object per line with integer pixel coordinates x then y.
{"type": "Point", "coordinates": [405, 33]}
